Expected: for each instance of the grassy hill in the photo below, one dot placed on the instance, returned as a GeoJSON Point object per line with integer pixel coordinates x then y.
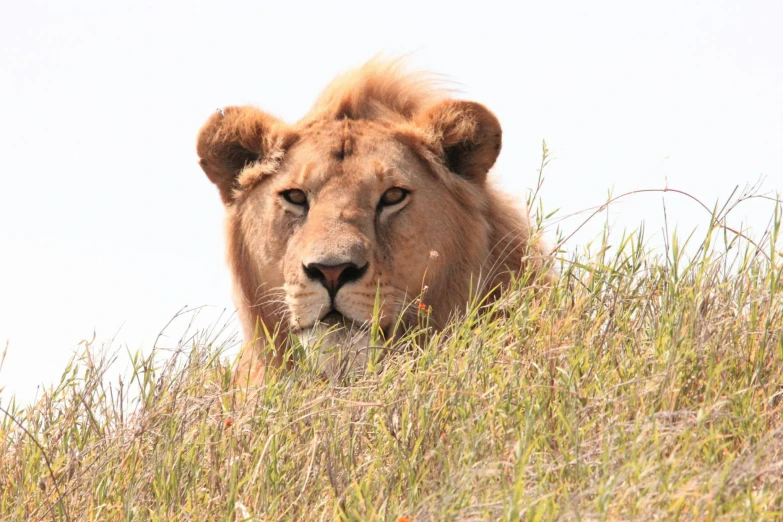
{"type": "Point", "coordinates": [641, 386]}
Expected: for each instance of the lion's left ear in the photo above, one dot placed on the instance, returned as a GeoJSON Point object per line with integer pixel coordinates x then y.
{"type": "Point", "coordinates": [469, 135]}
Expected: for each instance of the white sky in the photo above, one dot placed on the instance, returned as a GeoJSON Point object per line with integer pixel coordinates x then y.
{"type": "Point", "coordinates": [108, 224]}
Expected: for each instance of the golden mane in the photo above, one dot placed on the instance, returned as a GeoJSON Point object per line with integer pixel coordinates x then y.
{"type": "Point", "coordinates": [379, 90]}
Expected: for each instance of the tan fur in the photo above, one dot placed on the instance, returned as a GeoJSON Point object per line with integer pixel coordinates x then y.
{"type": "Point", "coordinates": [371, 130]}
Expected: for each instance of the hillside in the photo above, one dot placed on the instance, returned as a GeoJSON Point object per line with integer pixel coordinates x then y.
{"type": "Point", "coordinates": [642, 385]}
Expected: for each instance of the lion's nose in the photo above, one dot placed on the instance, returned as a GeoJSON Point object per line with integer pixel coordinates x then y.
{"type": "Point", "coordinates": [333, 277]}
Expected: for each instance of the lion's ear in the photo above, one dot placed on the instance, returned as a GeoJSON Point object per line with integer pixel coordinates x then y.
{"type": "Point", "coordinates": [230, 140]}
{"type": "Point", "coordinates": [469, 135]}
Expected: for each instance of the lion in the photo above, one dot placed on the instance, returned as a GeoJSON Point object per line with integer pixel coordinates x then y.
{"type": "Point", "coordinates": [380, 194]}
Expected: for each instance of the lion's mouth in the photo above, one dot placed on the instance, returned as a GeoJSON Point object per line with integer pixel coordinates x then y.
{"type": "Point", "coordinates": [341, 344]}
{"type": "Point", "coordinates": [334, 318]}
{"type": "Point", "coordinates": [330, 319]}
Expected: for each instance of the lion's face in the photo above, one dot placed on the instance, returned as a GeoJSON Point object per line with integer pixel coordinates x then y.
{"type": "Point", "coordinates": [379, 196]}
{"type": "Point", "coordinates": [334, 228]}
{"type": "Point", "coordinates": [351, 216]}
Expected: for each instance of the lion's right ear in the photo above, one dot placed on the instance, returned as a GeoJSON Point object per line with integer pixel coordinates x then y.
{"type": "Point", "coordinates": [230, 140]}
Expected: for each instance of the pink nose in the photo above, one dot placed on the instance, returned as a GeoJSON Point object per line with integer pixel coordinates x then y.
{"type": "Point", "coordinates": [333, 277]}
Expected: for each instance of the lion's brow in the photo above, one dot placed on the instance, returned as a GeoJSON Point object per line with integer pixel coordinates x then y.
{"type": "Point", "coordinates": [305, 172]}
{"type": "Point", "coordinates": [381, 170]}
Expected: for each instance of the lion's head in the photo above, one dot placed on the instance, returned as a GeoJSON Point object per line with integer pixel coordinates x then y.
{"type": "Point", "coordinates": [379, 192]}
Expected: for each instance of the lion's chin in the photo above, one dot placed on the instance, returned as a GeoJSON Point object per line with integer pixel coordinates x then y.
{"type": "Point", "coordinates": [341, 349]}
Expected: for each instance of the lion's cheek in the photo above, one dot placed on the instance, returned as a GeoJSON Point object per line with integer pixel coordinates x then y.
{"type": "Point", "coordinates": [417, 259]}
{"type": "Point", "coordinates": [305, 301]}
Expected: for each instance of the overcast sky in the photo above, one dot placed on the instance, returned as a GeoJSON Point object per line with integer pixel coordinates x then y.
{"type": "Point", "coordinates": [107, 223]}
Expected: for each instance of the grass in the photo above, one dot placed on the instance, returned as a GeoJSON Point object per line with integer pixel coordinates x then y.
{"type": "Point", "coordinates": [642, 386]}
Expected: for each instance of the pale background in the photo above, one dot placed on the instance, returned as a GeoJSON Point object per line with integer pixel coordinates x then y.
{"type": "Point", "coordinates": [107, 224]}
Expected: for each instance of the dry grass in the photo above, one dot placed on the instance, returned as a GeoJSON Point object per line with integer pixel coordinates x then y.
{"type": "Point", "coordinates": [639, 387]}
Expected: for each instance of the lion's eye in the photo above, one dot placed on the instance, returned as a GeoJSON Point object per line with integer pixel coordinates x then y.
{"type": "Point", "coordinates": [393, 196]}
{"type": "Point", "coordinates": [295, 197]}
